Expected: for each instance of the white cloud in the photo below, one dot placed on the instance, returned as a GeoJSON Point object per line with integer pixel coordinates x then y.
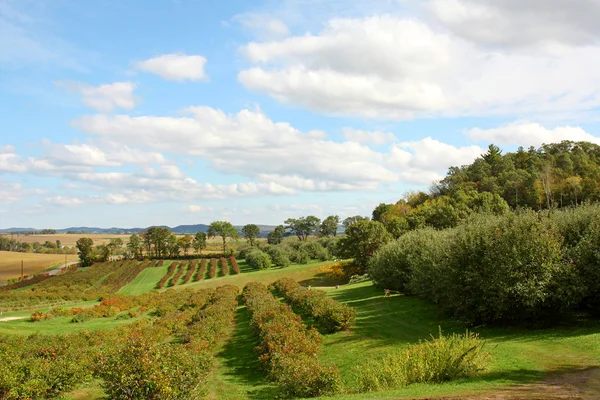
{"type": "Point", "coordinates": [392, 67]}
{"type": "Point", "coordinates": [176, 67]}
{"type": "Point", "coordinates": [64, 201]}
{"type": "Point", "coordinates": [104, 98]}
{"type": "Point", "coordinates": [376, 138]}
{"type": "Point", "coordinates": [250, 144]}
{"type": "Point", "coordinates": [518, 23]}
{"type": "Point", "coordinates": [193, 208]}
{"type": "Point", "coordinates": [530, 134]}
{"type": "Point", "coordinates": [425, 161]}
{"type": "Point", "coordinates": [11, 192]}
{"type": "Point", "coordinates": [10, 161]}
{"type": "Point", "coordinates": [265, 26]}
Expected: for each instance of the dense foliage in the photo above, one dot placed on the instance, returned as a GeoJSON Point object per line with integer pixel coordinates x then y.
{"type": "Point", "coordinates": [517, 268]}
{"type": "Point", "coordinates": [441, 359]}
{"type": "Point", "coordinates": [329, 315]}
{"type": "Point", "coordinates": [287, 347]}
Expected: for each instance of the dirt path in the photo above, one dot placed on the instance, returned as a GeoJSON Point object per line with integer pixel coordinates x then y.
{"type": "Point", "coordinates": [576, 385]}
{"type": "Point", "coordinates": [6, 319]}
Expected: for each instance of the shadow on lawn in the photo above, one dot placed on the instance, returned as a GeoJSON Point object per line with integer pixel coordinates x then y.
{"type": "Point", "coordinates": [242, 362]}
{"type": "Point", "coordinates": [376, 314]}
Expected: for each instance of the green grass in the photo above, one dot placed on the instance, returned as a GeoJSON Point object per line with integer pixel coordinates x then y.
{"type": "Point", "coordinates": [389, 324]}
{"type": "Point", "coordinates": [303, 273]}
{"type": "Point", "coordinates": [60, 325]}
{"type": "Point", "coordinates": [383, 325]}
{"type": "Point", "coordinates": [146, 281]}
{"type": "Point", "coordinates": [238, 374]}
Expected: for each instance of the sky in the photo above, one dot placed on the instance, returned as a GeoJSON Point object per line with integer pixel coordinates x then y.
{"type": "Point", "coordinates": [166, 112]}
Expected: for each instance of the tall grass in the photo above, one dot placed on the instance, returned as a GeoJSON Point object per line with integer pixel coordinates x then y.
{"type": "Point", "coordinates": [443, 358]}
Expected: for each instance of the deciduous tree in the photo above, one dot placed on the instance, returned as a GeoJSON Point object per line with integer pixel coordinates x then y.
{"type": "Point", "coordinates": [223, 229]}
{"type": "Point", "coordinates": [85, 251]}
{"type": "Point", "coordinates": [251, 231]}
{"type": "Point", "coordinates": [302, 227]}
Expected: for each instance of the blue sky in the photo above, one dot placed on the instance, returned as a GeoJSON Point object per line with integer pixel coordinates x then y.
{"type": "Point", "coordinates": [134, 113]}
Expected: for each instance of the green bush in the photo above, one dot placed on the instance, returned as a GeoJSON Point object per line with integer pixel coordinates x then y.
{"type": "Point", "coordinates": [147, 368]}
{"type": "Point", "coordinates": [316, 251]}
{"type": "Point", "coordinates": [279, 255]}
{"type": "Point", "coordinates": [299, 256]}
{"type": "Point", "coordinates": [287, 347]}
{"type": "Point", "coordinates": [441, 359]}
{"type": "Point", "coordinates": [258, 259]}
{"type": "Point", "coordinates": [412, 264]}
{"type": "Point", "coordinates": [329, 315]}
{"type": "Point", "coordinates": [506, 269]}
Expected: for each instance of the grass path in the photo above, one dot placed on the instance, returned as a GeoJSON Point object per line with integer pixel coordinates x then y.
{"type": "Point", "coordinates": [239, 374]}
{"type": "Point", "coordinates": [146, 281]}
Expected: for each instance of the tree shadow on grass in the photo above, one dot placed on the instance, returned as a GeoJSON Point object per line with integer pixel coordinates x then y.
{"type": "Point", "coordinates": [241, 361]}
{"type": "Point", "coordinates": [321, 279]}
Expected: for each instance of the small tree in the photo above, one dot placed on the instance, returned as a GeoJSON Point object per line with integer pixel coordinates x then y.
{"type": "Point", "coordinates": [350, 220]}
{"type": "Point", "coordinates": [223, 229]}
{"type": "Point", "coordinates": [185, 242]}
{"type": "Point", "coordinates": [362, 239]}
{"type": "Point", "coordinates": [114, 245]}
{"type": "Point", "coordinates": [199, 242]}
{"type": "Point", "coordinates": [135, 246]}
{"type": "Point", "coordinates": [276, 235]}
{"type": "Point", "coordinates": [329, 226]}
{"type": "Point", "coordinates": [251, 231]}
{"type": "Point", "coordinates": [302, 227]}
{"type": "Point", "coordinates": [85, 251]}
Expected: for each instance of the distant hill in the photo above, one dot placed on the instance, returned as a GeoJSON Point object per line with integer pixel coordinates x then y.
{"type": "Point", "coordinates": [180, 229]}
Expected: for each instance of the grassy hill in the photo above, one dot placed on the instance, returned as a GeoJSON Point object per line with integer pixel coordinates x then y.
{"type": "Point", "coordinates": [384, 325]}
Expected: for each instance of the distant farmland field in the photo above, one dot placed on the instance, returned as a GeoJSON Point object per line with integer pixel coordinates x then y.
{"type": "Point", "coordinates": [67, 239]}
{"type": "Point", "coordinates": [10, 263]}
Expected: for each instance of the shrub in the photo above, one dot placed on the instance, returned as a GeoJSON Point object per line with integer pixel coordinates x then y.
{"type": "Point", "coordinates": [299, 256]}
{"type": "Point", "coordinates": [329, 315]}
{"type": "Point", "coordinates": [190, 272]}
{"type": "Point", "coordinates": [212, 271]}
{"type": "Point", "coordinates": [585, 256]}
{"type": "Point", "coordinates": [175, 279]}
{"type": "Point", "coordinates": [234, 265]}
{"type": "Point", "coordinates": [37, 316]}
{"type": "Point", "coordinates": [201, 271]}
{"type": "Point", "coordinates": [288, 347]}
{"type": "Point", "coordinates": [279, 255]}
{"type": "Point", "coordinates": [167, 276]}
{"type": "Point", "coordinates": [315, 251]}
{"type": "Point", "coordinates": [412, 263]}
{"type": "Point", "coordinates": [441, 359]}
{"type": "Point", "coordinates": [146, 368]}
{"type": "Point", "coordinates": [506, 269]}
{"type": "Point", "coordinates": [224, 266]}
{"type": "Point", "coordinates": [258, 259]}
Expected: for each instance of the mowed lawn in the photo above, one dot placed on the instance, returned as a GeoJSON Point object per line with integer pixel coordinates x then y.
{"type": "Point", "coordinates": [389, 324]}
{"type": "Point", "coordinates": [10, 263]}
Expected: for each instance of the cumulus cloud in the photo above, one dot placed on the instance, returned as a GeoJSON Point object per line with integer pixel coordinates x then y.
{"type": "Point", "coordinates": [393, 67]}
{"type": "Point", "coordinates": [103, 98]}
{"type": "Point", "coordinates": [250, 144]}
{"type": "Point", "coordinates": [176, 67]}
{"type": "Point", "coordinates": [11, 192]}
{"type": "Point", "coordinates": [517, 23]}
{"type": "Point", "coordinates": [193, 208]}
{"type": "Point", "coordinates": [10, 161]}
{"type": "Point", "coordinates": [376, 138]}
{"type": "Point", "coordinates": [265, 26]}
{"type": "Point", "coordinates": [530, 134]}
{"type": "Point", "coordinates": [64, 201]}
{"type": "Point", "coordinates": [425, 161]}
